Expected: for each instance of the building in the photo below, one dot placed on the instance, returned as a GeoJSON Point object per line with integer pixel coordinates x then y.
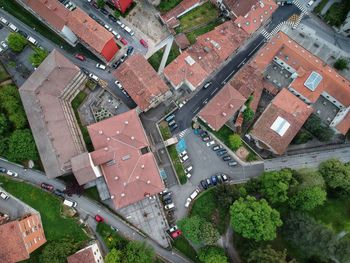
{"type": "Point", "coordinates": [203, 58]}
{"type": "Point", "coordinates": [89, 254]}
{"type": "Point", "coordinates": [74, 26]}
{"type": "Point", "coordinates": [280, 122]}
{"type": "Point", "coordinates": [122, 151]}
{"type": "Point", "coordinates": [122, 5]}
{"type": "Point", "coordinates": [46, 97]}
{"type": "Point", "coordinates": [222, 107]}
{"type": "Point", "coordinates": [142, 82]}
{"type": "Point", "coordinates": [21, 232]}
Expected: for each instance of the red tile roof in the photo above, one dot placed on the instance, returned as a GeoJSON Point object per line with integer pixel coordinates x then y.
{"type": "Point", "coordinates": [52, 11]}
{"type": "Point", "coordinates": [85, 256]}
{"type": "Point", "coordinates": [221, 108]}
{"type": "Point", "coordinates": [122, 5]}
{"type": "Point", "coordinates": [344, 126]}
{"type": "Point", "coordinates": [92, 33]}
{"type": "Point", "coordinates": [287, 107]}
{"type": "Point", "coordinates": [82, 168]}
{"type": "Point", "coordinates": [141, 81]}
{"type": "Point", "coordinates": [183, 6]}
{"type": "Point", "coordinates": [132, 172]}
{"type": "Point", "coordinates": [239, 7]}
{"type": "Point", "coordinates": [11, 243]}
{"type": "Point", "coordinates": [182, 41]}
{"type": "Point", "coordinates": [260, 12]}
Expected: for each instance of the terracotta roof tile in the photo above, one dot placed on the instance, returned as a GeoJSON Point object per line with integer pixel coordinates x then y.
{"type": "Point", "coordinates": [141, 81]}
{"type": "Point", "coordinates": [132, 173]}
{"type": "Point", "coordinates": [179, 9]}
{"type": "Point", "coordinates": [287, 107]}
{"type": "Point", "coordinates": [221, 108]}
{"type": "Point", "coordinates": [182, 41]}
{"type": "Point", "coordinates": [239, 7]}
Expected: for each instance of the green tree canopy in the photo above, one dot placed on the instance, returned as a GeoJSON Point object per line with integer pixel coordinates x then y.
{"type": "Point", "coordinates": [4, 125]}
{"type": "Point", "coordinates": [254, 219]}
{"type": "Point", "coordinates": [4, 146]}
{"type": "Point", "coordinates": [275, 185]}
{"type": "Point", "coordinates": [235, 141]}
{"type": "Point", "coordinates": [341, 64]}
{"type": "Point", "coordinates": [58, 251]}
{"type": "Point", "coordinates": [100, 3]}
{"type": "Point", "coordinates": [38, 56]}
{"type": "Point", "coordinates": [211, 254]}
{"type": "Point", "coordinates": [248, 114]}
{"type": "Point", "coordinates": [308, 198]}
{"type": "Point", "coordinates": [139, 252]}
{"type": "Point", "coordinates": [22, 146]}
{"type": "Point", "coordinates": [268, 255]}
{"type": "Point", "coordinates": [17, 42]}
{"type": "Point", "coordinates": [336, 174]}
{"type": "Point", "coordinates": [198, 230]}
{"type": "Point", "coordinates": [114, 256]}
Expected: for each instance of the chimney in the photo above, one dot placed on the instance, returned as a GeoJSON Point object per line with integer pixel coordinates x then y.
{"type": "Point", "coordinates": [148, 182]}
{"type": "Point", "coordinates": [126, 122]}
{"type": "Point", "coordinates": [132, 138]}
{"type": "Point", "coordinates": [231, 106]}
{"type": "Point", "coordinates": [116, 178]}
{"type": "Point", "coordinates": [137, 177]}
{"type": "Point", "coordinates": [224, 114]}
{"type": "Point", "coordinates": [143, 166]}
{"type": "Point", "coordinates": [100, 132]}
{"type": "Point", "coordinates": [106, 148]}
{"type": "Point", "coordinates": [122, 194]}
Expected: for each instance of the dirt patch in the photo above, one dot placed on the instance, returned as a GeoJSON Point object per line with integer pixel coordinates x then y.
{"type": "Point", "coordinates": [242, 153]}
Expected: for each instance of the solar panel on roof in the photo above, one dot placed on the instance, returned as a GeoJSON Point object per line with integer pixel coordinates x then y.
{"type": "Point", "coordinates": [313, 81]}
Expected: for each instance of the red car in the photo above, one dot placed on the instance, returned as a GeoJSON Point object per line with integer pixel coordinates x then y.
{"type": "Point", "coordinates": [176, 233]}
{"type": "Point", "coordinates": [80, 57]}
{"type": "Point", "coordinates": [144, 43]}
{"type": "Point", "coordinates": [99, 218]}
{"type": "Point", "coordinates": [123, 40]}
{"type": "Point", "coordinates": [48, 187]}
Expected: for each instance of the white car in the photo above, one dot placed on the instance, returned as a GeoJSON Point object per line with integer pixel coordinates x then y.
{"type": "Point", "coordinates": [4, 44]}
{"type": "Point", "coordinates": [11, 173]}
{"type": "Point", "coordinates": [183, 153]}
{"type": "Point", "coordinates": [94, 77]}
{"type": "Point", "coordinates": [70, 203]}
{"type": "Point", "coordinates": [4, 196]}
{"type": "Point", "coordinates": [174, 228]}
{"type": "Point", "coordinates": [210, 143]}
{"type": "Point", "coordinates": [117, 36]}
{"type": "Point", "coordinates": [184, 158]}
{"type": "Point", "coordinates": [108, 28]}
{"type": "Point", "coordinates": [100, 66]}
{"type": "Point", "coordinates": [118, 84]}
{"type": "Point", "coordinates": [188, 175]}
{"type": "Point", "coordinates": [169, 206]}
{"type": "Point", "coordinates": [194, 194]}
{"type": "Point", "coordinates": [188, 202]}
{"type": "Point", "coordinates": [166, 190]}
{"type": "Point", "coordinates": [120, 24]}
{"type": "Point", "coordinates": [189, 169]}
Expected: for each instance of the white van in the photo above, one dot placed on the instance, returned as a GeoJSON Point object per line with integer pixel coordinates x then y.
{"type": "Point", "coordinates": [69, 203]}
{"type": "Point", "coordinates": [194, 194]}
{"type": "Point", "coordinates": [4, 21]}
{"type": "Point", "coordinates": [128, 29]}
{"type": "Point", "coordinates": [32, 40]}
{"type": "Point", "coordinates": [13, 27]}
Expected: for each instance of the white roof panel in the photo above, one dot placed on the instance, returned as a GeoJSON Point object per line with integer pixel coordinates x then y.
{"type": "Point", "coordinates": [280, 126]}
{"type": "Point", "coordinates": [313, 81]}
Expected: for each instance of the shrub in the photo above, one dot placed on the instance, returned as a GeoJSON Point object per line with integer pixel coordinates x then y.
{"type": "Point", "coordinates": [235, 141]}
{"type": "Point", "coordinates": [38, 56]}
{"type": "Point", "coordinates": [17, 42]}
{"type": "Point", "coordinates": [341, 64]}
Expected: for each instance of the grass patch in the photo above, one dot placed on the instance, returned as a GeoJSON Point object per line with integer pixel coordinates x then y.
{"type": "Point", "coordinates": [30, 20]}
{"type": "Point", "coordinates": [76, 102]}
{"type": "Point", "coordinates": [56, 227]}
{"type": "Point", "coordinates": [182, 244]}
{"type": "Point", "coordinates": [156, 58]}
{"type": "Point", "coordinates": [92, 193]}
{"type": "Point", "coordinates": [320, 6]}
{"type": "Point", "coordinates": [3, 74]}
{"type": "Point", "coordinates": [164, 130]}
{"type": "Point", "coordinates": [166, 5]}
{"type": "Point", "coordinates": [177, 164]}
{"type": "Point", "coordinates": [337, 13]}
{"type": "Point", "coordinates": [192, 36]}
{"type": "Point", "coordinates": [198, 16]}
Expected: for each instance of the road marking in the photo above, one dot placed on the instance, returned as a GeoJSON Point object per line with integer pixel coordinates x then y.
{"type": "Point", "coordinates": [214, 91]}
{"type": "Point", "coordinates": [196, 110]}
{"type": "Point", "coordinates": [224, 82]}
{"type": "Point", "coordinates": [242, 62]}
{"type": "Point", "coordinates": [257, 46]}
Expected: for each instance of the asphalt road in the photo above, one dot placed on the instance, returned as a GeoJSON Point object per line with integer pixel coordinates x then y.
{"type": "Point", "coordinates": [92, 208]}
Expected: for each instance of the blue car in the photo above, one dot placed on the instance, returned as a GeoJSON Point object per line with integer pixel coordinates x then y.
{"type": "Point", "coordinates": [214, 179]}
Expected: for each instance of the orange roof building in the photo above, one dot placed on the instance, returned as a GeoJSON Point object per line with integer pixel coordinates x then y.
{"type": "Point", "coordinates": [222, 107]}
{"type": "Point", "coordinates": [89, 254]}
{"type": "Point", "coordinates": [21, 237]}
{"type": "Point", "coordinates": [194, 65]}
{"type": "Point", "coordinates": [122, 152]}
{"type": "Point", "coordinates": [142, 82]}
{"type": "Point", "coordinates": [280, 122]}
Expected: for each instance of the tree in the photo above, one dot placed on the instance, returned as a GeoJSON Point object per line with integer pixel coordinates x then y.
{"type": "Point", "coordinates": [234, 141]}
{"type": "Point", "coordinates": [307, 178]}
{"type": "Point", "coordinates": [341, 64]}
{"type": "Point", "coordinates": [73, 187]}
{"type": "Point", "coordinates": [335, 174]}
{"type": "Point", "coordinates": [17, 42]}
{"type": "Point", "coordinates": [22, 146]}
{"type": "Point", "coordinates": [38, 56]}
{"type": "Point", "coordinates": [212, 254]}
{"type": "Point", "coordinates": [4, 146]}
{"type": "Point", "coordinates": [57, 251]}
{"type": "Point", "coordinates": [114, 256]}
{"type": "Point", "coordinates": [314, 125]}
{"type": "Point", "coordinates": [198, 230]}
{"type": "Point", "coordinates": [4, 125]}
{"type": "Point", "coordinates": [248, 114]}
{"type": "Point", "coordinates": [226, 194]}
{"type": "Point", "coordinates": [254, 219]}
{"type": "Point", "coordinates": [139, 252]}
{"type": "Point", "coordinates": [268, 255]}
{"type": "Point", "coordinates": [302, 137]}
{"type": "Point", "coordinates": [275, 185]}
{"type": "Point", "coordinates": [100, 3]}
{"type": "Point", "coordinates": [308, 198]}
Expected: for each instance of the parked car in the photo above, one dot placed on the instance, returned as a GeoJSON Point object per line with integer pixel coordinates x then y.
{"type": "Point", "coordinates": [232, 164]}
{"type": "Point", "coordinates": [168, 201]}
{"type": "Point", "coordinates": [92, 16]}
{"type": "Point", "coordinates": [216, 147]}
{"type": "Point", "coordinates": [104, 11]}
{"type": "Point", "coordinates": [173, 128]}
{"type": "Point", "coordinates": [166, 190]}
{"type": "Point", "coordinates": [4, 21]}
{"type": "Point", "coordinates": [118, 84]}
{"type": "Point", "coordinates": [11, 173]}
{"type": "Point", "coordinates": [166, 195]}
{"type": "Point", "coordinates": [4, 44]}
{"type": "Point", "coordinates": [170, 117]}
{"type": "Point", "coordinates": [227, 158]}
{"type": "Point", "coordinates": [114, 229]}
{"type": "Point", "coordinates": [189, 169]}
{"type": "Point", "coordinates": [99, 218]}
{"type": "Point", "coordinates": [112, 18]}
{"type": "Point", "coordinates": [194, 194]}
{"type": "Point", "coordinates": [172, 229]}
{"type": "Point", "coordinates": [188, 202]}
{"type": "Point", "coordinates": [204, 134]}
{"type": "Point", "coordinates": [94, 77]}
{"type": "Point", "coordinates": [176, 233]}
{"type": "Point", "coordinates": [214, 179]}
{"type": "Point", "coordinates": [184, 158]}
{"type": "Point", "coordinates": [205, 139]}
{"type": "Point", "coordinates": [208, 182]}
{"type": "Point", "coordinates": [100, 21]}
{"type": "Point", "coordinates": [224, 177]}
{"type": "Point", "coordinates": [100, 66]}
{"type": "Point", "coordinates": [46, 186]}
{"type": "Point", "coordinates": [4, 196]}
{"type": "Point", "coordinates": [130, 50]}
{"type": "Point", "coordinates": [122, 59]}
{"type": "Point", "coordinates": [206, 85]}
{"type": "Point", "coordinates": [169, 206]}
{"type": "Point", "coordinates": [221, 152]}
{"type": "Point", "coordinates": [210, 143]}
{"type": "Point", "coordinates": [80, 57]}
{"type": "Point", "coordinates": [171, 123]}
{"type": "Point", "coordinates": [70, 203]}
{"type": "Point", "coordinates": [204, 184]}
{"type": "Point", "coordinates": [3, 170]}
{"type": "Point", "coordinates": [125, 93]}
{"type": "Point", "coordinates": [143, 43]}
{"type": "Point", "coordinates": [183, 153]}
{"type": "Point", "coordinates": [120, 24]}
{"type": "Point", "coordinates": [58, 192]}
{"type": "Point", "coordinates": [129, 31]}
